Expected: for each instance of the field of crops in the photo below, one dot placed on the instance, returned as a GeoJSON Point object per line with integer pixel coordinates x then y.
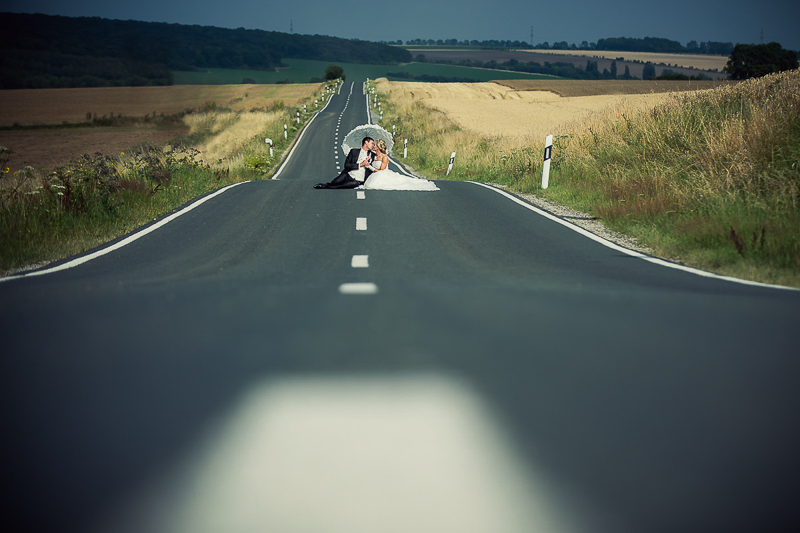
{"type": "Point", "coordinates": [51, 146]}
{"type": "Point", "coordinates": [697, 61]}
{"type": "Point", "coordinates": [502, 111]}
{"type": "Point", "coordinates": [580, 59]}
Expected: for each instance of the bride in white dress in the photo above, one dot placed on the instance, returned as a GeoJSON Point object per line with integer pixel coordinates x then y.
{"type": "Point", "coordinates": [387, 180]}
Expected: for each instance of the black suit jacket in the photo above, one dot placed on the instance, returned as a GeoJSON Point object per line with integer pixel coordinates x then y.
{"type": "Point", "coordinates": [351, 163]}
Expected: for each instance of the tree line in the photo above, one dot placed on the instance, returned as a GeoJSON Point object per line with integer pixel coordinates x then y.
{"type": "Point", "coordinates": [663, 46]}
{"type": "Point", "coordinates": [54, 51]}
{"type": "Point", "coordinates": [623, 44]}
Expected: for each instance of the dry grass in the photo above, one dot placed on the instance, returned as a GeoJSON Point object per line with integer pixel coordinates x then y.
{"type": "Point", "coordinates": [725, 137]}
{"type": "Point", "coordinates": [230, 134]}
{"type": "Point", "coordinates": [698, 61]}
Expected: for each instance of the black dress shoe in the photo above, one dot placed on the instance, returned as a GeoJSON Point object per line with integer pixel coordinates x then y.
{"type": "Point", "coordinates": [320, 186]}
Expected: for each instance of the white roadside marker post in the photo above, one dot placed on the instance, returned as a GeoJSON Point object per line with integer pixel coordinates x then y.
{"type": "Point", "coordinates": [298, 117]}
{"type": "Point", "coordinates": [405, 148]}
{"type": "Point", "coordinates": [305, 109]}
{"type": "Point", "coordinates": [393, 130]}
{"type": "Point", "coordinates": [548, 150]}
{"type": "Point", "coordinates": [450, 166]}
{"type": "Point", "coordinates": [285, 133]}
{"type": "Point", "coordinates": [269, 142]}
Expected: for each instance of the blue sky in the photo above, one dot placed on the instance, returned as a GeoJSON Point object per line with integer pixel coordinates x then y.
{"type": "Point", "coordinates": [737, 21]}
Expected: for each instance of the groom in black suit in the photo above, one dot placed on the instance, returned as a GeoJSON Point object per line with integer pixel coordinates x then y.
{"type": "Point", "coordinates": [356, 167]}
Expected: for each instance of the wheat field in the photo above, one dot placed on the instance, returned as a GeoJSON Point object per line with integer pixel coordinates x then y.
{"type": "Point", "coordinates": [698, 61]}
{"type": "Point", "coordinates": [522, 116]}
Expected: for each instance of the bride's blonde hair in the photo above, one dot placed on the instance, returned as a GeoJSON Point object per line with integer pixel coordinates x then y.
{"type": "Point", "coordinates": [382, 145]}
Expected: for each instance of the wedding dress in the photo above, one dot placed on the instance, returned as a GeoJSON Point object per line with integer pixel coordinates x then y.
{"type": "Point", "coordinates": [389, 180]}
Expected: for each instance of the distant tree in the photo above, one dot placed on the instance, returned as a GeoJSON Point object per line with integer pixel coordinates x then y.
{"type": "Point", "coordinates": [756, 60]}
{"type": "Point", "coordinates": [248, 80]}
{"type": "Point", "coordinates": [614, 69]}
{"type": "Point", "coordinates": [649, 71]}
{"type": "Point", "coordinates": [333, 72]}
{"type": "Point", "coordinates": [584, 45]}
{"type": "Point", "coordinates": [627, 74]}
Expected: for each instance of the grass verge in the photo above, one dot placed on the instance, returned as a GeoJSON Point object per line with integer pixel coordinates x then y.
{"type": "Point", "coordinates": [711, 178]}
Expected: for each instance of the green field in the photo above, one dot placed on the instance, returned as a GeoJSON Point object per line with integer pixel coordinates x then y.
{"type": "Point", "coordinates": [302, 70]}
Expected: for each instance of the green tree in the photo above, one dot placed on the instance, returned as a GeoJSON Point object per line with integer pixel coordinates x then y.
{"type": "Point", "coordinates": [756, 60]}
{"type": "Point", "coordinates": [649, 71]}
{"type": "Point", "coordinates": [333, 72]}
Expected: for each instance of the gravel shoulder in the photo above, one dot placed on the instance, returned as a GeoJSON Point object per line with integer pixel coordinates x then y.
{"type": "Point", "coordinates": [583, 220]}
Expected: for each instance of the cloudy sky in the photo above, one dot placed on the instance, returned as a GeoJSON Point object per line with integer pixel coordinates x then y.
{"type": "Point", "coordinates": [737, 21]}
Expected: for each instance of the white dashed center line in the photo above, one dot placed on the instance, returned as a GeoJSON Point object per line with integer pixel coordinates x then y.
{"type": "Point", "coordinates": [358, 288]}
{"type": "Point", "coordinates": [361, 224]}
{"type": "Point", "coordinates": [360, 261]}
{"type": "Point", "coordinates": [361, 195]}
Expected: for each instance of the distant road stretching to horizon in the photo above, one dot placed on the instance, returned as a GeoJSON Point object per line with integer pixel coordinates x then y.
{"type": "Point", "coordinates": [279, 358]}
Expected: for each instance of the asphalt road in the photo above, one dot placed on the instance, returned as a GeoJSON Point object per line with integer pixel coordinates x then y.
{"type": "Point", "coordinates": [502, 373]}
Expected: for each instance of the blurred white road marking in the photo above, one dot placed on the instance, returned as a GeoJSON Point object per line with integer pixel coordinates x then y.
{"type": "Point", "coordinates": [355, 455]}
{"type": "Point", "coordinates": [361, 224]}
{"type": "Point", "coordinates": [358, 288]}
{"type": "Point", "coordinates": [361, 195]}
{"type": "Point", "coordinates": [360, 261]}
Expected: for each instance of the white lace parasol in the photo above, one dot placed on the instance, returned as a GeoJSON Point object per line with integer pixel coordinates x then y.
{"type": "Point", "coordinates": [356, 137]}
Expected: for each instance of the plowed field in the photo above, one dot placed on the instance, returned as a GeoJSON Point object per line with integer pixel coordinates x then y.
{"type": "Point", "coordinates": [49, 147]}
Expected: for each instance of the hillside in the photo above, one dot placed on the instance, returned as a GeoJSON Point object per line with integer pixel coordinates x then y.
{"type": "Point", "coordinates": [51, 51]}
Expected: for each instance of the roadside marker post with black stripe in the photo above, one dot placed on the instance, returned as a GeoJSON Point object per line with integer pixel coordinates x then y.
{"type": "Point", "coordinates": [548, 150]}
{"type": "Point", "coordinates": [405, 148]}
{"type": "Point", "coordinates": [450, 166]}
{"type": "Point", "coordinates": [269, 142]}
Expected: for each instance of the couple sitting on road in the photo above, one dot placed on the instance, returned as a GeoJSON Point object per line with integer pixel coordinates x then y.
{"type": "Point", "coordinates": [366, 169]}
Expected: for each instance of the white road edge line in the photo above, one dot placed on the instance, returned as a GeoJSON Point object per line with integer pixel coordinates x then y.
{"type": "Point", "coordinates": [360, 261]}
{"type": "Point", "coordinates": [633, 253]}
{"type": "Point", "coordinates": [358, 288]}
{"type": "Point", "coordinates": [361, 224]}
{"type": "Point", "coordinates": [124, 242]}
{"type": "Point", "coordinates": [299, 138]}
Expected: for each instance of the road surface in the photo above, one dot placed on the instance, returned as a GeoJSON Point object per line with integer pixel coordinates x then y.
{"type": "Point", "coordinates": [493, 370]}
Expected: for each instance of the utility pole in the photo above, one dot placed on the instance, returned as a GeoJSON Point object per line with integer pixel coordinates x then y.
{"type": "Point", "coordinates": [762, 35]}
{"type": "Point", "coordinates": [531, 36]}
{"type": "Point", "coordinates": [291, 26]}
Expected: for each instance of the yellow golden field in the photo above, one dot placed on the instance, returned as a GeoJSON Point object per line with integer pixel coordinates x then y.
{"type": "Point", "coordinates": [698, 61]}
{"type": "Point", "coordinates": [525, 115]}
